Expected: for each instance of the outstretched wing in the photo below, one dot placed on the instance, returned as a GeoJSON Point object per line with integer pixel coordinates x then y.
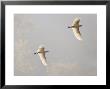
{"type": "Point", "coordinates": [41, 54]}
{"type": "Point", "coordinates": [77, 33]}
{"type": "Point", "coordinates": [76, 22]}
{"type": "Point", "coordinates": [43, 58]}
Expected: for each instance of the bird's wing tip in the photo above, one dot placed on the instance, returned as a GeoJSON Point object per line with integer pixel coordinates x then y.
{"type": "Point", "coordinates": [80, 39]}
{"type": "Point", "coordinates": [45, 64]}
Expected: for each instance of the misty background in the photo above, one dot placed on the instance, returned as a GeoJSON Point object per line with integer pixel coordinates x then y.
{"type": "Point", "coordinates": [67, 56]}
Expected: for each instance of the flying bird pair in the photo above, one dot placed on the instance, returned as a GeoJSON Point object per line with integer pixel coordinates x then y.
{"type": "Point", "coordinates": [75, 27]}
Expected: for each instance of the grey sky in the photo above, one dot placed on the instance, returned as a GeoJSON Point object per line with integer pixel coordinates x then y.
{"type": "Point", "coordinates": [66, 56]}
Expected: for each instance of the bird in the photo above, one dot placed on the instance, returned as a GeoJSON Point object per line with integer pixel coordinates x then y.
{"type": "Point", "coordinates": [41, 52]}
{"type": "Point", "coordinates": [75, 28]}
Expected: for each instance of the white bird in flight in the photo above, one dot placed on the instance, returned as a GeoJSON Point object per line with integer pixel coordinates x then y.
{"type": "Point", "coordinates": [75, 27]}
{"type": "Point", "coordinates": [41, 52]}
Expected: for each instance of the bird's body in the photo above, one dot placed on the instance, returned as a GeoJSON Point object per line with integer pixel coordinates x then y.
{"type": "Point", "coordinates": [41, 52]}
{"type": "Point", "coordinates": [75, 28]}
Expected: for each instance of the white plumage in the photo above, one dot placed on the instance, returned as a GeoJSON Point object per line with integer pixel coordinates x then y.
{"type": "Point", "coordinates": [41, 52]}
{"type": "Point", "coordinates": [75, 28]}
